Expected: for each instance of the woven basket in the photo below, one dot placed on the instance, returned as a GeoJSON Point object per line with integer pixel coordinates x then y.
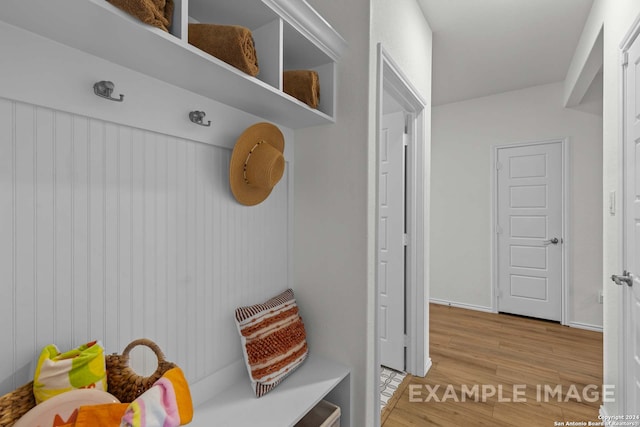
{"type": "Point", "coordinates": [15, 404]}
{"type": "Point", "coordinates": [122, 382]}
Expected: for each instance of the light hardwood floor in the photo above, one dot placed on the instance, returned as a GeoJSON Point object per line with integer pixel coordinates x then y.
{"type": "Point", "coordinates": [501, 352]}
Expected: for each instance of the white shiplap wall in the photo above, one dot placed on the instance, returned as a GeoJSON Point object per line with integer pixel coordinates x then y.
{"type": "Point", "coordinates": [114, 233]}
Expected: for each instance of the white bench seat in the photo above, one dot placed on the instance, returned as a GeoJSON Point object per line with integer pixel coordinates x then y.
{"type": "Point", "coordinates": [283, 406]}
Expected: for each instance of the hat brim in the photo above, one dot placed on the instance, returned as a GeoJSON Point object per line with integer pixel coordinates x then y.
{"type": "Point", "coordinates": [244, 193]}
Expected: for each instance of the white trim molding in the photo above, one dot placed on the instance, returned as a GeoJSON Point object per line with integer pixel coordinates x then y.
{"type": "Point", "coordinates": [300, 15]}
{"type": "Point", "coordinates": [586, 326]}
{"type": "Point", "coordinates": [392, 80]}
{"type": "Point", "coordinates": [428, 366]}
{"type": "Point", "coordinates": [462, 305]}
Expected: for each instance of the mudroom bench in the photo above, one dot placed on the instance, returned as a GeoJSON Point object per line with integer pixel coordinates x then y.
{"type": "Point", "coordinates": [237, 406]}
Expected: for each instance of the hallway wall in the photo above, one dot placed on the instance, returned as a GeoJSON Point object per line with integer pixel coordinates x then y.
{"type": "Point", "coordinates": [463, 136]}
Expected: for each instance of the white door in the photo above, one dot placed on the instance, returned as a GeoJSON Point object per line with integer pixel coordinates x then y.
{"type": "Point", "coordinates": [391, 264]}
{"type": "Point", "coordinates": [630, 279]}
{"type": "Point", "coordinates": [529, 230]}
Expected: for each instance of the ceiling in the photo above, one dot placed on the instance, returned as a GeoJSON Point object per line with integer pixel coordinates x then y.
{"type": "Point", "coordinates": [484, 47]}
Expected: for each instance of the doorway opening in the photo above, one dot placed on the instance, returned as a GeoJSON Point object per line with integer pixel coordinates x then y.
{"type": "Point", "coordinates": [401, 309]}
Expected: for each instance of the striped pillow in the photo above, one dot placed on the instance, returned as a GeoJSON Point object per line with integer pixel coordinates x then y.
{"type": "Point", "coordinates": [273, 340]}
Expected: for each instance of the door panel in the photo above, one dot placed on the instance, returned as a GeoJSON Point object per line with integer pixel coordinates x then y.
{"type": "Point", "coordinates": [528, 196]}
{"type": "Point", "coordinates": [631, 232]}
{"type": "Point", "coordinates": [533, 166]}
{"type": "Point", "coordinates": [528, 257]}
{"type": "Point", "coordinates": [529, 215]}
{"type": "Point", "coordinates": [529, 287]}
{"type": "Point", "coordinates": [391, 242]}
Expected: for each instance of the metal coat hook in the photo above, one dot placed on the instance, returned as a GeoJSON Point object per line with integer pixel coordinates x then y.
{"type": "Point", "coordinates": [197, 117]}
{"type": "Point", "coordinates": [104, 89]}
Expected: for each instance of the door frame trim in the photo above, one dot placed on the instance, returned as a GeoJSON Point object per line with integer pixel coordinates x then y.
{"type": "Point", "coordinates": [622, 303]}
{"type": "Point", "coordinates": [391, 78]}
{"type": "Point", "coordinates": [566, 230]}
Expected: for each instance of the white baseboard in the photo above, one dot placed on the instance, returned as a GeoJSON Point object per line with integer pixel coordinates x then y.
{"type": "Point", "coordinates": [461, 305]}
{"type": "Point", "coordinates": [586, 326]}
{"type": "Point", "coordinates": [428, 367]}
{"type": "Point", "coordinates": [577, 325]}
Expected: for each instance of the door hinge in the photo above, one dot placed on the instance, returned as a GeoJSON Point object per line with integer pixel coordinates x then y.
{"type": "Point", "coordinates": [405, 239]}
{"type": "Point", "coordinates": [406, 124]}
{"type": "Point", "coordinates": [625, 59]}
{"type": "Point", "coordinates": [499, 229]}
{"type": "Point", "coordinates": [406, 340]}
{"type": "Point", "coordinates": [498, 165]}
{"type": "Point", "coordinates": [499, 293]}
{"type": "Point", "coordinates": [405, 140]}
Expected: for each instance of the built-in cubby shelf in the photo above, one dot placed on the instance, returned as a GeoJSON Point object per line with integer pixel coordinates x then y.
{"type": "Point", "coordinates": [316, 379]}
{"type": "Point", "coordinates": [289, 34]}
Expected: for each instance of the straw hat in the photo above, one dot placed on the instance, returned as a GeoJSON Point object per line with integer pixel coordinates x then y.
{"type": "Point", "coordinates": [257, 163]}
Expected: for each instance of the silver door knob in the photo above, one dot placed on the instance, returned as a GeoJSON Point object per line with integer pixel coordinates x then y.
{"type": "Point", "coordinates": [553, 241]}
{"type": "Point", "coordinates": [624, 278]}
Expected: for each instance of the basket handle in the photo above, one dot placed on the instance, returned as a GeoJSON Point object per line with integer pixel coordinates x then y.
{"type": "Point", "coordinates": [148, 343]}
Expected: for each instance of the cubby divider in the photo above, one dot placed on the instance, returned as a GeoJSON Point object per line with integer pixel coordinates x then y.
{"type": "Point", "coordinates": [268, 41]}
{"type": "Point", "coordinates": [179, 25]}
{"type": "Point", "coordinates": [326, 76]}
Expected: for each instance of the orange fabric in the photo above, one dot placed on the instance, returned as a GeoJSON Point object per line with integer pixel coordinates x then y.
{"type": "Point", "coordinates": [183, 394]}
{"type": "Point", "coordinates": [110, 414]}
{"type": "Point", "coordinates": [232, 44]}
{"type": "Point", "coordinates": [107, 415]}
{"type": "Point", "coordinates": [303, 85]}
{"type": "Point", "coordinates": [158, 13]}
